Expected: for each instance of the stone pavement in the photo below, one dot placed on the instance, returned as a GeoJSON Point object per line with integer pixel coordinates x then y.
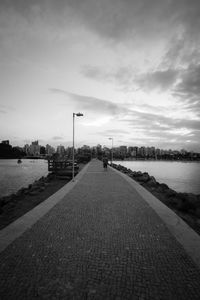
{"type": "Point", "coordinates": [100, 241]}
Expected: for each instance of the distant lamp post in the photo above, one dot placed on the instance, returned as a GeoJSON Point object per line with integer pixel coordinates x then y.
{"type": "Point", "coordinates": [78, 115]}
{"type": "Point", "coordinates": [111, 150]}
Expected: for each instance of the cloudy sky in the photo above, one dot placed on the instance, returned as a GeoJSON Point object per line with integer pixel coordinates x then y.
{"type": "Point", "coordinates": [132, 67]}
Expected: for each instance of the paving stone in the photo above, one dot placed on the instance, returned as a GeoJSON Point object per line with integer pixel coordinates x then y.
{"type": "Point", "coordinates": [101, 241]}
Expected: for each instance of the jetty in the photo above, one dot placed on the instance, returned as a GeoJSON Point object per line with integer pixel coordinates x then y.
{"type": "Point", "coordinates": [102, 236]}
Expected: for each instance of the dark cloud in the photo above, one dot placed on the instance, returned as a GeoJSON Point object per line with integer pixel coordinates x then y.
{"type": "Point", "coordinates": [160, 123]}
{"type": "Point", "coordinates": [99, 106]}
{"type": "Point", "coordinates": [163, 131]}
{"type": "Point", "coordinates": [122, 76]}
{"type": "Point", "coordinates": [56, 138]}
{"type": "Point", "coordinates": [94, 72]}
{"type": "Point", "coordinates": [113, 132]}
{"type": "Point", "coordinates": [128, 79]}
{"type": "Point", "coordinates": [188, 89]}
{"type": "Point", "coordinates": [173, 53]}
{"type": "Point", "coordinates": [117, 19]}
{"type": "Point", "coordinates": [5, 109]}
{"type": "Point", "coordinates": [133, 118]}
{"type": "Point", "coordinates": [181, 52]}
{"type": "Point", "coordinates": [161, 79]}
{"type": "Point", "coordinates": [190, 81]}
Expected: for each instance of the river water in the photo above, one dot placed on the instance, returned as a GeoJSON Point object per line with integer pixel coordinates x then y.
{"type": "Point", "coordinates": [14, 176]}
{"type": "Point", "coordinates": [180, 176]}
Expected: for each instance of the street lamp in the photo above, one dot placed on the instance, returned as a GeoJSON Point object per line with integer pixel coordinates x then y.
{"type": "Point", "coordinates": [111, 150]}
{"type": "Point", "coordinates": [78, 115]}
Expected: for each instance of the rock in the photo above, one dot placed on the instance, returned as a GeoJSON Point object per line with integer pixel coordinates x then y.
{"type": "Point", "coordinates": [36, 186]}
{"type": "Point", "coordinates": [33, 193]}
{"type": "Point", "coordinates": [26, 191]}
{"type": "Point", "coordinates": [133, 174]}
{"type": "Point", "coordinates": [20, 192]}
{"type": "Point", "coordinates": [42, 179]}
{"type": "Point", "coordinates": [2, 201]}
{"type": "Point", "coordinates": [162, 187]}
{"type": "Point", "coordinates": [152, 182]}
{"type": "Point", "coordinates": [194, 199]}
{"type": "Point", "coordinates": [138, 174]}
{"type": "Point", "coordinates": [184, 202]}
{"type": "Point", "coordinates": [144, 178]}
{"type": "Point", "coordinates": [170, 193]}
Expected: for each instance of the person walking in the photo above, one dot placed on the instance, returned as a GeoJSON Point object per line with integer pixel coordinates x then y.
{"type": "Point", "coordinates": [105, 163]}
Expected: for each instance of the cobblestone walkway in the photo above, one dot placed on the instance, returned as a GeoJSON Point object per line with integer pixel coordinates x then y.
{"type": "Point", "coordinates": [102, 241]}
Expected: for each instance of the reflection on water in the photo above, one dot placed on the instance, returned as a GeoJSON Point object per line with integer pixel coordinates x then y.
{"type": "Point", "coordinates": [180, 176]}
{"type": "Point", "coordinates": [14, 176]}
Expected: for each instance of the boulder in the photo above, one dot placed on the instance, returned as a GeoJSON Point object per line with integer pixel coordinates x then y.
{"type": "Point", "coordinates": [162, 187]}
{"type": "Point", "coordinates": [144, 178]}
{"type": "Point", "coordinates": [152, 182]}
{"type": "Point", "coordinates": [33, 193]}
{"type": "Point", "coordinates": [139, 173]}
{"type": "Point", "coordinates": [185, 203]}
{"type": "Point", "coordinates": [170, 193]}
{"type": "Point", "coordinates": [197, 213]}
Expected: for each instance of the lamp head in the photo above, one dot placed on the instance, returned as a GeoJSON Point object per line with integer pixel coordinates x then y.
{"type": "Point", "coordinates": [79, 114]}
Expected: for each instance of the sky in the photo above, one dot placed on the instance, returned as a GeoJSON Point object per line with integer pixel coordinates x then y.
{"type": "Point", "coordinates": [132, 67]}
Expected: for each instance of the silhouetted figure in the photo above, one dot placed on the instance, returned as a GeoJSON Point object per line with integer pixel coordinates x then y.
{"type": "Point", "coordinates": [105, 162]}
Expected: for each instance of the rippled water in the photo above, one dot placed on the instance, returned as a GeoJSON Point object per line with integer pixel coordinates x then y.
{"type": "Point", "coordinates": [180, 176]}
{"type": "Point", "coordinates": [14, 176]}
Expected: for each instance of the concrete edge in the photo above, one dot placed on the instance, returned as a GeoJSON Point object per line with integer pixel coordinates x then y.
{"type": "Point", "coordinates": [18, 227]}
{"type": "Point", "coordinates": [184, 234]}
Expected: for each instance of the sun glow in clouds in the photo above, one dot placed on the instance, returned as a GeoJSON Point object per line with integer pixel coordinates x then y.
{"type": "Point", "coordinates": [131, 69]}
{"type": "Point", "coordinates": [98, 122]}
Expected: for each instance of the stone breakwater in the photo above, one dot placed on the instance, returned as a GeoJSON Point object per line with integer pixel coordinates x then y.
{"type": "Point", "coordinates": [32, 190]}
{"type": "Point", "coordinates": [186, 205]}
{"type": "Point", "coordinates": [15, 205]}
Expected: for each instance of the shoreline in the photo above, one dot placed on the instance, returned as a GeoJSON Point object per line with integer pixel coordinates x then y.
{"type": "Point", "coordinates": [157, 160]}
{"type": "Point", "coordinates": [16, 205]}
{"type": "Point", "coordinates": [185, 205]}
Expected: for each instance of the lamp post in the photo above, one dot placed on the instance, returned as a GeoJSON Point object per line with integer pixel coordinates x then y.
{"type": "Point", "coordinates": [111, 150]}
{"type": "Point", "coordinates": [78, 115]}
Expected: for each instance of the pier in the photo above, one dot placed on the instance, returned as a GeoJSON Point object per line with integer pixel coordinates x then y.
{"type": "Point", "coordinates": [100, 237]}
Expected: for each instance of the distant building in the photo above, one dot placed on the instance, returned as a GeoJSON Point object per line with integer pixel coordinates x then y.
{"type": "Point", "coordinates": [123, 150]}
{"type": "Point", "coordinates": [61, 150]}
{"type": "Point", "coordinates": [6, 142]}
{"type": "Point", "coordinates": [142, 151]}
{"type": "Point", "coordinates": [34, 149]}
{"type": "Point", "coordinates": [26, 149]}
{"type": "Point", "coordinates": [49, 150]}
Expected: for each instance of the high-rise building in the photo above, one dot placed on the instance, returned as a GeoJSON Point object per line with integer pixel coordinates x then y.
{"type": "Point", "coordinates": [49, 149]}
{"type": "Point", "coordinates": [27, 149]}
{"type": "Point", "coordinates": [34, 148]}
{"type": "Point", "coordinates": [61, 150]}
{"type": "Point", "coordinates": [123, 150]}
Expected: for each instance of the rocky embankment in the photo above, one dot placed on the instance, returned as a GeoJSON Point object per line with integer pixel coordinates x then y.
{"type": "Point", "coordinates": [15, 205]}
{"type": "Point", "coordinates": [186, 205]}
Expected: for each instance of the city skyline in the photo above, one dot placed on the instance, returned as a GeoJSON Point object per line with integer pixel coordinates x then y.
{"type": "Point", "coordinates": [131, 67]}
{"type": "Point", "coordinates": [130, 148]}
